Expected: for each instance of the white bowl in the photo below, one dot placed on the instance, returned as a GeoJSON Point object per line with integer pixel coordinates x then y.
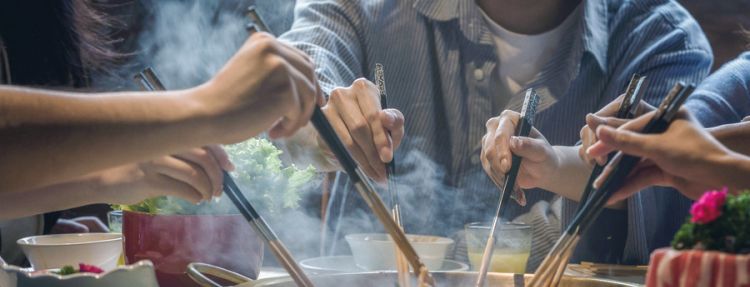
{"type": "Point", "coordinates": [140, 274]}
{"type": "Point", "coordinates": [55, 251]}
{"type": "Point", "coordinates": [375, 251]}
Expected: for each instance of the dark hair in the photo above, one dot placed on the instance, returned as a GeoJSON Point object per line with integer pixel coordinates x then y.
{"type": "Point", "coordinates": [55, 42]}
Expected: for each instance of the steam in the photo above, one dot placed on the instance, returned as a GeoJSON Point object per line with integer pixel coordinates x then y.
{"type": "Point", "coordinates": [186, 42]}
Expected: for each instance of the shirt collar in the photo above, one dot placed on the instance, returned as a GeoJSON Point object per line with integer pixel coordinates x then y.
{"type": "Point", "coordinates": [594, 37]}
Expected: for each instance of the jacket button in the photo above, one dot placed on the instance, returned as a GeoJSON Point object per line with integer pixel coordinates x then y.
{"type": "Point", "coordinates": [478, 74]}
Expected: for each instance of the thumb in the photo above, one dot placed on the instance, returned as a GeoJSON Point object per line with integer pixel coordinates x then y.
{"type": "Point", "coordinates": [393, 122]}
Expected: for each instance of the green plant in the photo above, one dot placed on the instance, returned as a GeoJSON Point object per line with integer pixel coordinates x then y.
{"type": "Point", "coordinates": [261, 175]}
{"type": "Point", "coordinates": [719, 221]}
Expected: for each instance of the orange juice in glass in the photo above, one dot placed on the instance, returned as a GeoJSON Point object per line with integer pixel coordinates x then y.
{"type": "Point", "coordinates": [512, 246]}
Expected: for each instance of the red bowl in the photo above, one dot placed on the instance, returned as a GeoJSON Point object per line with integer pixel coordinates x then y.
{"type": "Point", "coordinates": [171, 242]}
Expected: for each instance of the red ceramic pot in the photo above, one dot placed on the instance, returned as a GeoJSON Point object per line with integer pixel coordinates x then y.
{"type": "Point", "coordinates": [171, 242]}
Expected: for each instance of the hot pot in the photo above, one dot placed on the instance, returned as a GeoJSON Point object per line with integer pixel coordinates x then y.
{"type": "Point", "coordinates": [199, 272]}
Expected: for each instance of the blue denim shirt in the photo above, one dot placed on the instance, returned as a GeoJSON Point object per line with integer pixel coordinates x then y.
{"type": "Point", "coordinates": [442, 73]}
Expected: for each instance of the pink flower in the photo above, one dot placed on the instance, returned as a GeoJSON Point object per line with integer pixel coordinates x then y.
{"type": "Point", "coordinates": [89, 268]}
{"type": "Point", "coordinates": [708, 207]}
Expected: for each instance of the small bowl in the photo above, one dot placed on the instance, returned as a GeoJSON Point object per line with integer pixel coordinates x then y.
{"type": "Point", "coordinates": [139, 274]}
{"type": "Point", "coordinates": [375, 251]}
{"type": "Point", "coordinates": [56, 251]}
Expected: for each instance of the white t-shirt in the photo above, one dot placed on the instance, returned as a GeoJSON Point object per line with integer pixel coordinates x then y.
{"type": "Point", "coordinates": [522, 56]}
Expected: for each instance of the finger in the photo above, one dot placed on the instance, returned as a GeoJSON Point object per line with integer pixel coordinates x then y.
{"type": "Point", "coordinates": [593, 121]}
{"type": "Point", "coordinates": [303, 63]}
{"type": "Point", "coordinates": [531, 149]}
{"type": "Point", "coordinates": [369, 104]}
{"type": "Point", "coordinates": [393, 121]}
{"type": "Point", "coordinates": [186, 172]}
{"type": "Point", "coordinates": [297, 58]}
{"type": "Point", "coordinates": [221, 157]}
{"type": "Point", "coordinates": [611, 108]}
{"type": "Point", "coordinates": [626, 141]}
{"type": "Point", "coordinates": [341, 130]}
{"type": "Point", "coordinates": [505, 129]}
{"type": "Point", "coordinates": [359, 128]}
{"type": "Point", "coordinates": [299, 115]}
{"type": "Point", "coordinates": [204, 159]}
{"type": "Point", "coordinates": [172, 187]}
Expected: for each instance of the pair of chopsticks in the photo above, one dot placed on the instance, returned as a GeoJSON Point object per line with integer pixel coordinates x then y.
{"type": "Point", "coordinates": [402, 266]}
{"type": "Point", "coordinates": [148, 81]}
{"type": "Point", "coordinates": [356, 175]}
{"type": "Point", "coordinates": [551, 269]}
{"type": "Point", "coordinates": [528, 113]}
{"type": "Point", "coordinates": [628, 109]}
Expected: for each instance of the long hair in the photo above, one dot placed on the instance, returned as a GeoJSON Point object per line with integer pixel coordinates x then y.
{"type": "Point", "coordinates": [55, 42]}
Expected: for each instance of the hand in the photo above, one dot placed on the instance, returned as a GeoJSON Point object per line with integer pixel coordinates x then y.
{"type": "Point", "coordinates": [680, 157]}
{"type": "Point", "coordinates": [265, 84]}
{"type": "Point", "coordinates": [195, 175]}
{"type": "Point", "coordinates": [499, 144]}
{"type": "Point", "coordinates": [355, 114]}
{"type": "Point", "coordinates": [605, 116]}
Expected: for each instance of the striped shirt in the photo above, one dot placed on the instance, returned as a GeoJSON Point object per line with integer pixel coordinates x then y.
{"type": "Point", "coordinates": [441, 70]}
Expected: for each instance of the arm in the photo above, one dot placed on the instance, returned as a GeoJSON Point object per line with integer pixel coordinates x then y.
{"type": "Point", "coordinates": [734, 136]}
{"type": "Point", "coordinates": [48, 137]}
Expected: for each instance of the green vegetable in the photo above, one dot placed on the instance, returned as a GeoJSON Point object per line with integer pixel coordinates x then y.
{"type": "Point", "coordinates": [729, 233]}
{"type": "Point", "coordinates": [260, 174]}
{"type": "Point", "coordinates": [67, 270]}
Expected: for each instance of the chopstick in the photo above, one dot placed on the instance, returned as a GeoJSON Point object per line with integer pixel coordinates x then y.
{"type": "Point", "coordinates": [391, 166]}
{"type": "Point", "coordinates": [367, 191]}
{"type": "Point", "coordinates": [261, 227]}
{"type": "Point", "coordinates": [149, 81]}
{"type": "Point", "coordinates": [357, 177]}
{"type": "Point", "coordinates": [628, 109]}
{"type": "Point", "coordinates": [402, 267]}
{"type": "Point", "coordinates": [553, 266]}
{"type": "Point", "coordinates": [528, 112]}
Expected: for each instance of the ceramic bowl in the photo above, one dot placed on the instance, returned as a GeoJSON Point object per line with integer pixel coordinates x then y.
{"type": "Point", "coordinates": [55, 251]}
{"type": "Point", "coordinates": [139, 274]}
{"type": "Point", "coordinates": [375, 251]}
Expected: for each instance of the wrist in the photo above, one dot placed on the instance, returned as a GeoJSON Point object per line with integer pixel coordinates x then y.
{"type": "Point", "coordinates": [201, 114]}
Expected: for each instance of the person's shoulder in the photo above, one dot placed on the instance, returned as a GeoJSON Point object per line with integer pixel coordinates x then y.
{"type": "Point", "coordinates": [656, 22]}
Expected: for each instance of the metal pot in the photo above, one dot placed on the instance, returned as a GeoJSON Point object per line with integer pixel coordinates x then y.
{"type": "Point", "coordinates": [198, 271]}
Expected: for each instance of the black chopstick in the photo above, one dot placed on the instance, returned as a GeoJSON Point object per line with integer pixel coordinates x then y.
{"type": "Point", "coordinates": [391, 166]}
{"type": "Point", "coordinates": [528, 113]}
{"type": "Point", "coordinates": [627, 110]}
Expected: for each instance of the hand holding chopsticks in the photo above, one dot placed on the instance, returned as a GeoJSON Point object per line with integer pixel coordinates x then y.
{"type": "Point", "coordinates": [551, 269]}
{"type": "Point", "coordinates": [627, 110]}
{"type": "Point", "coordinates": [150, 82]}
{"type": "Point", "coordinates": [528, 112]}
{"type": "Point", "coordinates": [358, 179]}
